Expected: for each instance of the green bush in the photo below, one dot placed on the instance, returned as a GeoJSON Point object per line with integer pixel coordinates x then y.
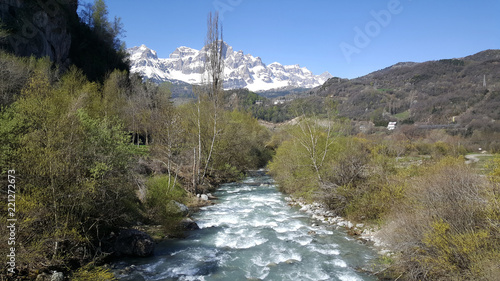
{"type": "Point", "coordinates": [441, 149]}
{"type": "Point", "coordinates": [375, 202]}
{"type": "Point", "coordinates": [303, 161]}
{"type": "Point", "coordinates": [94, 273]}
{"type": "Point", "coordinates": [447, 253]}
{"type": "Point", "coordinates": [423, 148]}
{"type": "Point", "coordinates": [161, 190]}
{"type": "Point", "coordinates": [447, 227]}
{"type": "Point", "coordinates": [75, 165]}
{"type": "Point", "coordinates": [347, 174]}
{"type": "Point", "coordinates": [375, 187]}
{"type": "Point", "coordinates": [164, 188]}
{"type": "Point", "coordinates": [494, 167]}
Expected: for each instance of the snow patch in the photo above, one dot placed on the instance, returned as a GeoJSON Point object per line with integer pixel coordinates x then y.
{"type": "Point", "coordinates": [241, 70]}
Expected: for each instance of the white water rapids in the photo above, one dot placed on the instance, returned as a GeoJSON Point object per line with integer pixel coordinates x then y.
{"type": "Point", "coordinates": [252, 234]}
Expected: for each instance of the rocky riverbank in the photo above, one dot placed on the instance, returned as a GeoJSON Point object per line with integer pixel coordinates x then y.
{"type": "Point", "coordinates": [360, 231]}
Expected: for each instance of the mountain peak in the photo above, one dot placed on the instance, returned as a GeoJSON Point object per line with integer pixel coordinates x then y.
{"type": "Point", "coordinates": [325, 75]}
{"type": "Point", "coordinates": [241, 70]}
{"type": "Point", "coordinates": [141, 52]}
{"type": "Point", "coordinates": [183, 51]}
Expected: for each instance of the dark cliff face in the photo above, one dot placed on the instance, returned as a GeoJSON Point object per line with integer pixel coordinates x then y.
{"type": "Point", "coordinates": [53, 28]}
{"type": "Point", "coordinates": [39, 27]}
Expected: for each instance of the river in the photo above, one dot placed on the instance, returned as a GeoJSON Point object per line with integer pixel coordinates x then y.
{"type": "Point", "coordinates": [252, 234]}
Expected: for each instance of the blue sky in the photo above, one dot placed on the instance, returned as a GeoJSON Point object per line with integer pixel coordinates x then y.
{"type": "Point", "coordinates": [346, 38]}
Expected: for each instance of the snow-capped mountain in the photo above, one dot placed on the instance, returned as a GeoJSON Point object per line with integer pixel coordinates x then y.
{"type": "Point", "coordinates": [240, 70]}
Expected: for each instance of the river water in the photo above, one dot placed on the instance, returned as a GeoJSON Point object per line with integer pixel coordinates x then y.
{"type": "Point", "coordinates": [252, 234]}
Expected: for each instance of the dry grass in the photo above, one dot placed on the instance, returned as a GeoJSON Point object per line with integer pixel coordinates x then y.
{"type": "Point", "coordinates": [446, 230]}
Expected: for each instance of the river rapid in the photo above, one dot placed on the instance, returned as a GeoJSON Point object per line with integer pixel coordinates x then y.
{"type": "Point", "coordinates": [252, 234]}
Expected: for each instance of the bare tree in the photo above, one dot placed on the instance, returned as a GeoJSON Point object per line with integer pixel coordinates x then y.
{"type": "Point", "coordinates": [317, 138]}
{"type": "Point", "coordinates": [214, 68]}
{"type": "Point", "coordinates": [214, 60]}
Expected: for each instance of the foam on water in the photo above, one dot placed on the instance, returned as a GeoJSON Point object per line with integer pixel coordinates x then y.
{"type": "Point", "coordinates": [192, 278]}
{"type": "Point", "coordinates": [337, 262]}
{"type": "Point", "coordinates": [290, 226]}
{"type": "Point", "coordinates": [256, 272]}
{"type": "Point", "coordinates": [251, 233]}
{"type": "Point", "coordinates": [303, 240]}
{"type": "Point", "coordinates": [327, 250]}
{"type": "Point", "coordinates": [237, 241]}
{"type": "Point", "coordinates": [348, 277]}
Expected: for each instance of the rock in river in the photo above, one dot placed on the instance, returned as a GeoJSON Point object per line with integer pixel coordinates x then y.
{"type": "Point", "coordinates": [132, 242]}
{"type": "Point", "coordinates": [189, 224]}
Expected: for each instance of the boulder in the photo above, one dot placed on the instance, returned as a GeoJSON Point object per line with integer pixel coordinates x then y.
{"type": "Point", "coordinates": [189, 224]}
{"type": "Point", "coordinates": [43, 277]}
{"type": "Point", "coordinates": [204, 197]}
{"type": "Point", "coordinates": [57, 276]}
{"type": "Point", "coordinates": [177, 209]}
{"type": "Point", "coordinates": [132, 242]}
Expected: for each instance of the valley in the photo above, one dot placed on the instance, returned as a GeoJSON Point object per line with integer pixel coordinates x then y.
{"type": "Point", "coordinates": [127, 164]}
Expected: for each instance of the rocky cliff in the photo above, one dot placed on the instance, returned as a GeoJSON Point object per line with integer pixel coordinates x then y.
{"type": "Point", "coordinates": [39, 28]}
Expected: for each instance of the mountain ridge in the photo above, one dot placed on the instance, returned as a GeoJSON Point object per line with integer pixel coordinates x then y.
{"type": "Point", "coordinates": [241, 70]}
{"type": "Point", "coordinates": [463, 91]}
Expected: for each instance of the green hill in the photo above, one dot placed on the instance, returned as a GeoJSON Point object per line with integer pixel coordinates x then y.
{"type": "Point", "coordinates": [465, 90]}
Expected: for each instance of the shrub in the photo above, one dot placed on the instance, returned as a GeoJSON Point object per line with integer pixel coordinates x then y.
{"type": "Point", "coordinates": [374, 189]}
{"type": "Point", "coordinates": [160, 191]}
{"type": "Point", "coordinates": [376, 201]}
{"type": "Point", "coordinates": [423, 148]}
{"type": "Point", "coordinates": [91, 272]}
{"type": "Point", "coordinates": [164, 188]}
{"type": "Point", "coordinates": [494, 167]}
{"type": "Point", "coordinates": [447, 228]}
{"type": "Point", "coordinates": [441, 149]}
{"type": "Point", "coordinates": [303, 162]}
